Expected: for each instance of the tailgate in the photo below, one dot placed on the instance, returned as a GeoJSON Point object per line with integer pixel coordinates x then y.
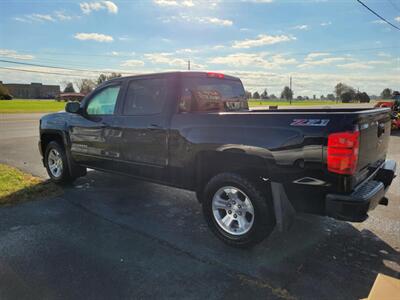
{"type": "Point", "coordinates": [374, 138]}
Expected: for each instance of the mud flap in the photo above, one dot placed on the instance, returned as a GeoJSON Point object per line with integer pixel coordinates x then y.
{"type": "Point", "coordinates": [284, 211]}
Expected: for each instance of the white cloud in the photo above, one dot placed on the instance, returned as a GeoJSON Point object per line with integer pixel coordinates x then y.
{"type": "Point", "coordinates": [43, 17]}
{"type": "Point", "coordinates": [166, 2]}
{"type": "Point", "coordinates": [322, 62]}
{"type": "Point", "coordinates": [378, 22]}
{"type": "Point", "coordinates": [62, 16]}
{"type": "Point", "coordinates": [132, 63]}
{"type": "Point", "coordinates": [260, 60]}
{"type": "Point", "coordinates": [111, 7]}
{"type": "Point", "coordinates": [326, 23]}
{"type": "Point", "coordinates": [169, 59]}
{"type": "Point", "coordinates": [201, 20]}
{"type": "Point", "coordinates": [88, 7]}
{"type": "Point", "coordinates": [124, 38]}
{"type": "Point", "coordinates": [216, 21]}
{"type": "Point", "coordinates": [314, 55]}
{"type": "Point", "coordinates": [259, 1]}
{"type": "Point", "coordinates": [355, 66]}
{"type": "Point", "coordinates": [383, 54]}
{"type": "Point", "coordinates": [188, 3]}
{"type": "Point", "coordinates": [55, 16]}
{"type": "Point", "coordinates": [14, 54]}
{"type": "Point", "coordinates": [397, 19]}
{"type": "Point", "coordinates": [301, 27]}
{"type": "Point", "coordinates": [98, 37]}
{"type": "Point", "coordinates": [262, 40]}
{"type": "Point", "coordinates": [186, 51]}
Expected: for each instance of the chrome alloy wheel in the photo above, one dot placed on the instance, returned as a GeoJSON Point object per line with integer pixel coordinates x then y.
{"type": "Point", "coordinates": [233, 210]}
{"type": "Point", "coordinates": [55, 163]}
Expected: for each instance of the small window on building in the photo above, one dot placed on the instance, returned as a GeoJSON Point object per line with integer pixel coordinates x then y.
{"type": "Point", "coordinates": [145, 96]}
{"type": "Point", "coordinates": [104, 102]}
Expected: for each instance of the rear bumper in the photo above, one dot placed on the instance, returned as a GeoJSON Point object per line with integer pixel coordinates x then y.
{"type": "Point", "coordinates": [355, 206]}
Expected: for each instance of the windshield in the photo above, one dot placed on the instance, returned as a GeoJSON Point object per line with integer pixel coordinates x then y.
{"type": "Point", "coordinates": [212, 94]}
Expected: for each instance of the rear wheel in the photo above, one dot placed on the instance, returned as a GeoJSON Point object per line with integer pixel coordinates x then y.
{"type": "Point", "coordinates": [238, 210]}
{"type": "Point", "coordinates": [57, 164]}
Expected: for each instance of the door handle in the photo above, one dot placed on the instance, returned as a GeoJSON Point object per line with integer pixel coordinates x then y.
{"type": "Point", "coordinates": [154, 127]}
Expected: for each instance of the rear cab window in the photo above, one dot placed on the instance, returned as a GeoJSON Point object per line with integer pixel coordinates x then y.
{"type": "Point", "coordinates": [211, 93]}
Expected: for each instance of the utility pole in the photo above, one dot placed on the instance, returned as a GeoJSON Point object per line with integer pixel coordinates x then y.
{"type": "Point", "coordinates": [290, 84]}
{"type": "Point", "coordinates": [189, 65]}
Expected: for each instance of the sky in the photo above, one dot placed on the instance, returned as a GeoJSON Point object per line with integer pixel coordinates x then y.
{"type": "Point", "coordinates": [264, 42]}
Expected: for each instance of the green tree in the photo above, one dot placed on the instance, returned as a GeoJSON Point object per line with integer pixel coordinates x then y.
{"type": "Point", "coordinates": [287, 93]}
{"type": "Point", "coordinates": [264, 94]}
{"type": "Point", "coordinates": [103, 77]}
{"type": "Point", "coordinates": [386, 93]}
{"type": "Point", "coordinates": [4, 93]}
{"type": "Point", "coordinates": [256, 95]}
{"type": "Point", "coordinates": [69, 88]}
{"type": "Point", "coordinates": [85, 85]}
{"type": "Point", "coordinates": [330, 97]}
{"type": "Point", "coordinates": [272, 96]}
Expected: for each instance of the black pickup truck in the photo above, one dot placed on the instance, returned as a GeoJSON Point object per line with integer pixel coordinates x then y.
{"type": "Point", "coordinates": [194, 130]}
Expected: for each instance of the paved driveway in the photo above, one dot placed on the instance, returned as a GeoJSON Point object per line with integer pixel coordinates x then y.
{"type": "Point", "coordinates": [114, 237]}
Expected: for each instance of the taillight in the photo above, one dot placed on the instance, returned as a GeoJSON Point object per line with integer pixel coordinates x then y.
{"type": "Point", "coordinates": [215, 75]}
{"type": "Point", "coordinates": [343, 152]}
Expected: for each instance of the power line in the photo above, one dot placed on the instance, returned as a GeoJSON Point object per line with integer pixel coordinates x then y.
{"type": "Point", "coordinates": [52, 67]}
{"type": "Point", "coordinates": [379, 16]}
{"type": "Point", "coordinates": [41, 72]}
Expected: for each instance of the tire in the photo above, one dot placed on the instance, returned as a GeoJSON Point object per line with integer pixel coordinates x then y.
{"type": "Point", "coordinates": [256, 220]}
{"type": "Point", "coordinates": [56, 163]}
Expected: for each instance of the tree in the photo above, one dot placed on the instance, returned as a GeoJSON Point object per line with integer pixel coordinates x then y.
{"type": "Point", "coordinates": [264, 94]}
{"type": "Point", "coordinates": [69, 88]}
{"type": "Point", "coordinates": [273, 96]}
{"type": "Point", "coordinates": [322, 97]}
{"type": "Point", "coordinates": [287, 93]}
{"type": "Point", "coordinates": [386, 93]}
{"type": "Point", "coordinates": [346, 97]}
{"type": "Point", "coordinates": [247, 94]}
{"type": "Point", "coordinates": [256, 95]}
{"type": "Point", "coordinates": [299, 98]}
{"type": "Point", "coordinates": [330, 97]}
{"type": "Point", "coordinates": [85, 86]}
{"type": "Point", "coordinates": [103, 77]}
{"type": "Point", "coordinates": [364, 98]}
{"type": "Point", "coordinates": [341, 88]}
{"type": "Point", "coordinates": [4, 93]}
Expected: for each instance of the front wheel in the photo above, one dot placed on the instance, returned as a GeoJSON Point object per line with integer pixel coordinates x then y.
{"type": "Point", "coordinates": [56, 163]}
{"type": "Point", "coordinates": [237, 210]}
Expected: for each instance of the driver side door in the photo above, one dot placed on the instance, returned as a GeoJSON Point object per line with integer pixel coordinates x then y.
{"type": "Point", "coordinates": [94, 138]}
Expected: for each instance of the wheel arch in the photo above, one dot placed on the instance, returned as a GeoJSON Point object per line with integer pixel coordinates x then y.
{"type": "Point", "coordinates": [212, 163]}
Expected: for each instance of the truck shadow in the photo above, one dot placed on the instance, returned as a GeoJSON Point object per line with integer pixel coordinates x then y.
{"type": "Point", "coordinates": [317, 258]}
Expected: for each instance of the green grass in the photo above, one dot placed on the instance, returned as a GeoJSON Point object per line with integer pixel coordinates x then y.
{"type": "Point", "coordinates": [255, 103]}
{"type": "Point", "coordinates": [16, 186]}
{"type": "Point", "coordinates": [30, 106]}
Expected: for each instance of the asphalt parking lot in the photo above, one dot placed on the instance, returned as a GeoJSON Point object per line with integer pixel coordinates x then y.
{"type": "Point", "coordinates": [114, 237]}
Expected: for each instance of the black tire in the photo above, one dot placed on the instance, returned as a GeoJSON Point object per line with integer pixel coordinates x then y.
{"type": "Point", "coordinates": [64, 177]}
{"type": "Point", "coordinates": [261, 199]}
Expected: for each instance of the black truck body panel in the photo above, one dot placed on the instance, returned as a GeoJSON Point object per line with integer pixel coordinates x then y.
{"type": "Point", "coordinates": [183, 149]}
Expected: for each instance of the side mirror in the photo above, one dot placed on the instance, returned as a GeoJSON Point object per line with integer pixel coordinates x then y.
{"type": "Point", "coordinates": [73, 107]}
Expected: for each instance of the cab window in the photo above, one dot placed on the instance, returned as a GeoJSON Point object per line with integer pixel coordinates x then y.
{"type": "Point", "coordinates": [103, 103]}
{"type": "Point", "coordinates": [146, 96]}
{"type": "Point", "coordinates": [212, 94]}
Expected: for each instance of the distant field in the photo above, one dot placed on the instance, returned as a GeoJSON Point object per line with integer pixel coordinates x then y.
{"type": "Point", "coordinates": [30, 106]}
{"type": "Point", "coordinates": [255, 103]}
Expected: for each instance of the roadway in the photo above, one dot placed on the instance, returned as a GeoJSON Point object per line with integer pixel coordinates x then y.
{"type": "Point", "coordinates": [113, 237]}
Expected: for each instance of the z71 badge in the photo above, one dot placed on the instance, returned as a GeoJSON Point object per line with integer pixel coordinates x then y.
{"type": "Point", "coordinates": [310, 122]}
